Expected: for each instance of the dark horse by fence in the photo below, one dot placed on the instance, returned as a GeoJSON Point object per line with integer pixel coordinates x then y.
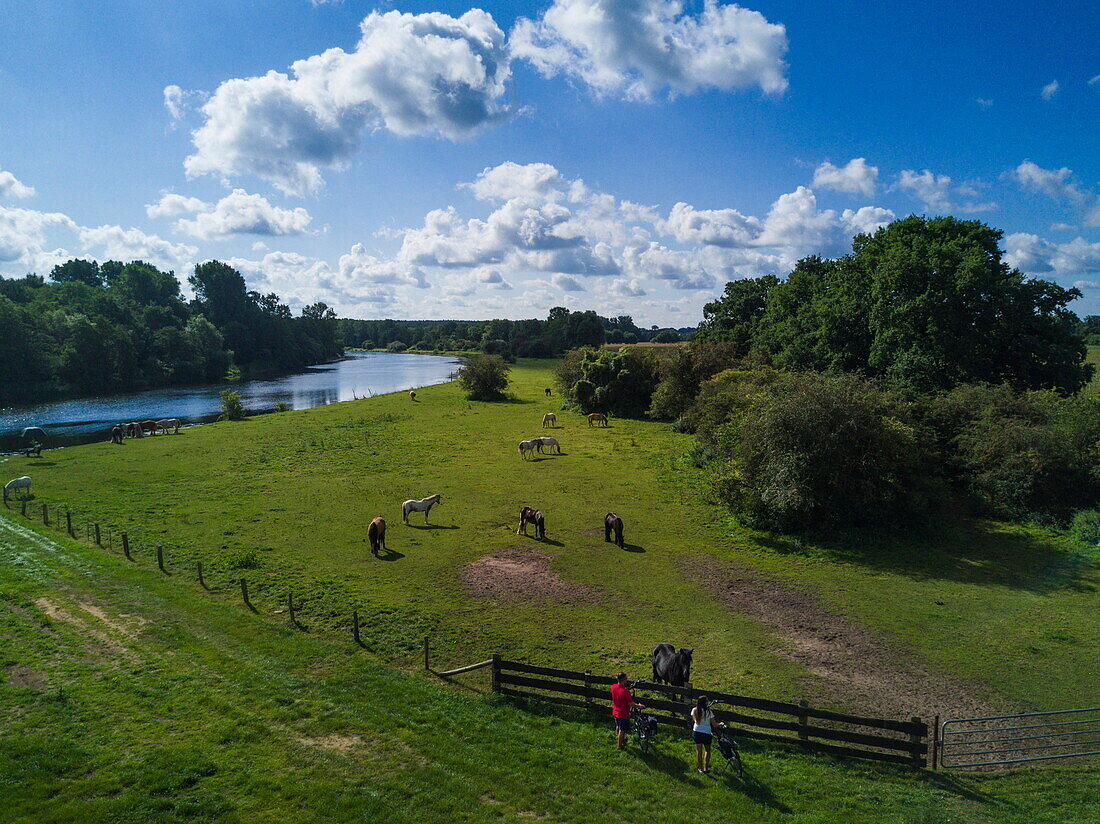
{"type": "Point", "coordinates": [613, 523]}
{"type": "Point", "coordinates": [530, 515]}
{"type": "Point", "coordinates": [376, 534]}
{"type": "Point", "coordinates": [670, 666]}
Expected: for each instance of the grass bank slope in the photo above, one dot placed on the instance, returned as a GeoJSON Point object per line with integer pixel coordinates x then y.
{"type": "Point", "coordinates": [126, 696]}
{"type": "Point", "coordinates": [284, 501]}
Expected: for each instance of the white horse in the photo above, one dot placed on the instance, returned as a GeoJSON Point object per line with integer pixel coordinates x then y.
{"type": "Point", "coordinates": [549, 419]}
{"type": "Point", "coordinates": [423, 505]}
{"type": "Point", "coordinates": [169, 423]}
{"type": "Point", "coordinates": [527, 448]}
{"type": "Point", "coordinates": [11, 486]}
{"type": "Point", "coordinates": [551, 445]}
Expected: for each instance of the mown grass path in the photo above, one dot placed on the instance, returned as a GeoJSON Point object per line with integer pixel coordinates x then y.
{"type": "Point", "coordinates": [284, 500]}
{"type": "Point", "coordinates": [131, 697]}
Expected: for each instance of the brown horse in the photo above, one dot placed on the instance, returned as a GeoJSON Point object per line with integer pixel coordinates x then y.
{"type": "Point", "coordinates": [613, 523]}
{"type": "Point", "coordinates": [597, 418]}
{"type": "Point", "coordinates": [530, 515]}
{"type": "Point", "coordinates": [376, 534]}
{"type": "Point", "coordinates": [149, 426]}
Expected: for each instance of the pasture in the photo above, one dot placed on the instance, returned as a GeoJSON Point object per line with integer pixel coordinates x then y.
{"type": "Point", "coordinates": [971, 616]}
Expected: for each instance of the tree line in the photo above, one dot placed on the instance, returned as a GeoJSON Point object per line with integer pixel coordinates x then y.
{"type": "Point", "coordinates": [98, 328]}
{"type": "Point", "coordinates": [914, 376]}
{"type": "Point", "coordinates": [561, 331]}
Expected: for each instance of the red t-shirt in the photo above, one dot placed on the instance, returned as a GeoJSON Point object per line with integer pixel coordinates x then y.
{"type": "Point", "coordinates": [621, 699]}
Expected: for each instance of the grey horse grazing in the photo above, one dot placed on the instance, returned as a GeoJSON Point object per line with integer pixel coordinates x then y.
{"type": "Point", "coordinates": [550, 444]}
{"type": "Point", "coordinates": [16, 484]}
{"type": "Point", "coordinates": [613, 523]}
{"type": "Point", "coordinates": [671, 666]}
{"type": "Point", "coordinates": [376, 534]}
{"type": "Point", "coordinates": [530, 515]}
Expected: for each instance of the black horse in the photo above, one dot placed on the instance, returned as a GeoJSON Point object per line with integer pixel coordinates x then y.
{"type": "Point", "coordinates": [613, 523]}
{"type": "Point", "coordinates": [530, 515]}
{"type": "Point", "coordinates": [670, 666]}
{"type": "Point", "coordinates": [548, 392]}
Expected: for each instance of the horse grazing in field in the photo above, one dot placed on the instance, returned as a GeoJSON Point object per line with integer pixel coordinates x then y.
{"type": "Point", "coordinates": [597, 419]}
{"type": "Point", "coordinates": [551, 445]}
{"type": "Point", "coordinates": [118, 432]}
{"type": "Point", "coordinates": [671, 667]}
{"type": "Point", "coordinates": [169, 423]}
{"type": "Point", "coordinates": [549, 420]}
{"type": "Point", "coordinates": [548, 392]}
{"type": "Point", "coordinates": [376, 534]}
{"type": "Point", "coordinates": [423, 505]}
{"type": "Point", "coordinates": [34, 449]}
{"type": "Point", "coordinates": [530, 515]}
{"type": "Point", "coordinates": [527, 448]}
{"type": "Point", "coordinates": [149, 426]}
{"type": "Point", "coordinates": [412, 396]}
{"type": "Point", "coordinates": [16, 484]}
{"type": "Point", "coordinates": [613, 523]}
{"type": "Point", "coordinates": [133, 430]}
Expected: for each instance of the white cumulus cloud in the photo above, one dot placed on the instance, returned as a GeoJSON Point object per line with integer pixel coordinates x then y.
{"type": "Point", "coordinates": [239, 213]}
{"type": "Point", "coordinates": [638, 48]}
{"type": "Point", "coordinates": [413, 74]}
{"type": "Point", "coordinates": [938, 192]}
{"type": "Point", "coordinates": [856, 177]}
{"type": "Point", "coordinates": [117, 243]}
{"type": "Point", "coordinates": [12, 188]}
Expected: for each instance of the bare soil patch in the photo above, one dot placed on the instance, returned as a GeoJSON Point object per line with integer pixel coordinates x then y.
{"type": "Point", "coordinates": [20, 675]}
{"type": "Point", "coordinates": [58, 613]}
{"type": "Point", "coordinates": [343, 743]}
{"type": "Point", "coordinates": [520, 573]}
{"type": "Point", "coordinates": [849, 665]}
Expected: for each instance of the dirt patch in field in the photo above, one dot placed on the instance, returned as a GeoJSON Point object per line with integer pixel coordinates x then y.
{"type": "Point", "coordinates": [20, 675]}
{"type": "Point", "coordinates": [343, 743]}
{"type": "Point", "coordinates": [58, 613]}
{"type": "Point", "coordinates": [849, 665]}
{"type": "Point", "coordinates": [520, 573]}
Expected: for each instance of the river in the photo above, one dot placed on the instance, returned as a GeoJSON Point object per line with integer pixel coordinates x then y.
{"type": "Point", "coordinates": [359, 375]}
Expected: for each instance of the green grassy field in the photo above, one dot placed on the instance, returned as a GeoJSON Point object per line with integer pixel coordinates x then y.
{"type": "Point", "coordinates": [284, 501]}
{"type": "Point", "coordinates": [1093, 357]}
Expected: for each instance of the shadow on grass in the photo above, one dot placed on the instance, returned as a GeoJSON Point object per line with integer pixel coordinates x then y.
{"type": "Point", "coordinates": [633, 548]}
{"type": "Point", "coordinates": [42, 463]}
{"type": "Point", "coordinates": [390, 555]}
{"type": "Point", "coordinates": [964, 550]}
{"type": "Point", "coordinates": [432, 526]}
{"type": "Point", "coordinates": [751, 787]}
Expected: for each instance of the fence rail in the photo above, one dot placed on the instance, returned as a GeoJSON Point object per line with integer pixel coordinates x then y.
{"type": "Point", "coordinates": [879, 739]}
{"type": "Point", "coordinates": [999, 740]}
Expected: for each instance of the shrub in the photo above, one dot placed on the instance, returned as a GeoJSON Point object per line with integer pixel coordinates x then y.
{"type": "Point", "coordinates": [601, 380]}
{"type": "Point", "coordinates": [396, 346]}
{"type": "Point", "coordinates": [367, 344]}
{"type": "Point", "coordinates": [282, 406]}
{"type": "Point", "coordinates": [808, 452]}
{"type": "Point", "coordinates": [667, 336]}
{"type": "Point", "coordinates": [682, 372]}
{"type": "Point", "coordinates": [484, 378]}
{"type": "Point", "coordinates": [1086, 526]}
{"type": "Point", "coordinates": [232, 406]}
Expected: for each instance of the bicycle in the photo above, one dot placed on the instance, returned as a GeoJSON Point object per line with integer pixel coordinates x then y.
{"type": "Point", "coordinates": [645, 728]}
{"type": "Point", "coordinates": [728, 748]}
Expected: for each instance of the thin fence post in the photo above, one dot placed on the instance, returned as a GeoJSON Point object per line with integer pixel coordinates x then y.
{"type": "Point", "coordinates": [69, 523]}
{"type": "Point", "coordinates": [803, 720]}
{"type": "Point", "coordinates": [355, 627]}
{"type": "Point", "coordinates": [23, 508]}
{"type": "Point", "coordinates": [496, 674]}
{"type": "Point", "coordinates": [290, 609]}
{"type": "Point", "coordinates": [244, 594]}
{"type": "Point", "coordinates": [160, 559]}
{"type": "Point", "coordinates": [936, 743]}
{"type": "Point", "coordinates": [588, 688]}
{"type": "Point", "coordinates": [46, 514]}
{"type": "Point", "coordinates": [202, 581]}
{"type": "Point", "coordinates": [98, 542]}
{"type": "Point", "coordinates": [914, 740]}
{"type": "Point", "coordinates": [427, 654]}
{"type": "Point", "coordinates": [126, 546]}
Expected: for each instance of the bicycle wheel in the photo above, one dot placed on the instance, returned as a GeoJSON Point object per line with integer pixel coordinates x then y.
{"type": "Point", "coordinates": [643, 739]}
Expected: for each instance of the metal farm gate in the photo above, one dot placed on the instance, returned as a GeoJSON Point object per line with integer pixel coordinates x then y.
{"type": "Point", "coordinates": [1014, 739]}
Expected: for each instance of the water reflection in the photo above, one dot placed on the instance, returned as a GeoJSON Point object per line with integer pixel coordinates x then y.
{"type": "Point", "coordinates": [360, 375]}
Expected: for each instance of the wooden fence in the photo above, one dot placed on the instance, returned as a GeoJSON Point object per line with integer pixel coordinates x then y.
{"type": "Point", "coordinates": [879, 739]}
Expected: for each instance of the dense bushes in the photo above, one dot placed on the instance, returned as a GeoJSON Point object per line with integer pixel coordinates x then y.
{"type": "Point", "coordinates": [484, 378]}
{"type": "Point", "coordinates": [602, 380]}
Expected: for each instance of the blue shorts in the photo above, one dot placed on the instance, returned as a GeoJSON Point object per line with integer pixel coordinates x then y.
{"type": "Point", "coordinates": [701, 737]}
{"type": "Point", "coordinates": [622, 724]}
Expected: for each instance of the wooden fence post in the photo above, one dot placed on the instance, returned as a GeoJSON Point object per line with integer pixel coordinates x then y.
{"type": "Point", "coordinates": [588, 688]}
{"type": "Point", "coordinates": [202, 581]}
{"type": "Point", "coordinates": [23, 507]}
{"type": "Point", "coordinates": [160, 560]}
{"type": "Point", "coordinates": [126, 546]}
{"type": "Point", "coordinates": [46, 514]}
{"type": "Point", "coordinates": [803, 720]}
{"type": "Point", "coordinates": [355, 627]}
{"type": "Point", "coordinates": [244, 594]}
{"type": "Point", "coordinates": [496, 674]}
{"type": "Point", "coordinates": [290, 609]}
{"type": "Point", "coordinates": [69, 523]}
{"type": "Point", "coordinates": [914, 739]}
{"type": "Point", "coordinates": [427, 654]}
{"type": "Point", "coordinates": [98, 542]}
{"type": "Point", "coordinates": [936, 743]}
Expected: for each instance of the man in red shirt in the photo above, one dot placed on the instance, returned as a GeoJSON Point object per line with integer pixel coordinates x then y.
{"type": "Point", "coordinates": [621, 703]}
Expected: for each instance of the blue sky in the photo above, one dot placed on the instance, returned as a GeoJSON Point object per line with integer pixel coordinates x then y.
{"type": "Point", "coordinates": [427, 160]}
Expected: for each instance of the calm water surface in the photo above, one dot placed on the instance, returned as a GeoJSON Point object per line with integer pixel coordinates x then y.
{"type": "Point", "coordinates": [359, 375]}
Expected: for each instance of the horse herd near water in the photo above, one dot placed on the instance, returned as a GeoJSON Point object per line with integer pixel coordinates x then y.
{"type": "Point", "coordinates": [139, 429]}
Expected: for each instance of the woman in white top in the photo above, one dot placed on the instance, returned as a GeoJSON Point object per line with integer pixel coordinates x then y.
{"type": "Point", "coordinates": [702, 733]}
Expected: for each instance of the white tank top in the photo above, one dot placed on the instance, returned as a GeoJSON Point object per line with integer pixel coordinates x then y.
{"type": "Point", "coordinates": [703, 724]}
